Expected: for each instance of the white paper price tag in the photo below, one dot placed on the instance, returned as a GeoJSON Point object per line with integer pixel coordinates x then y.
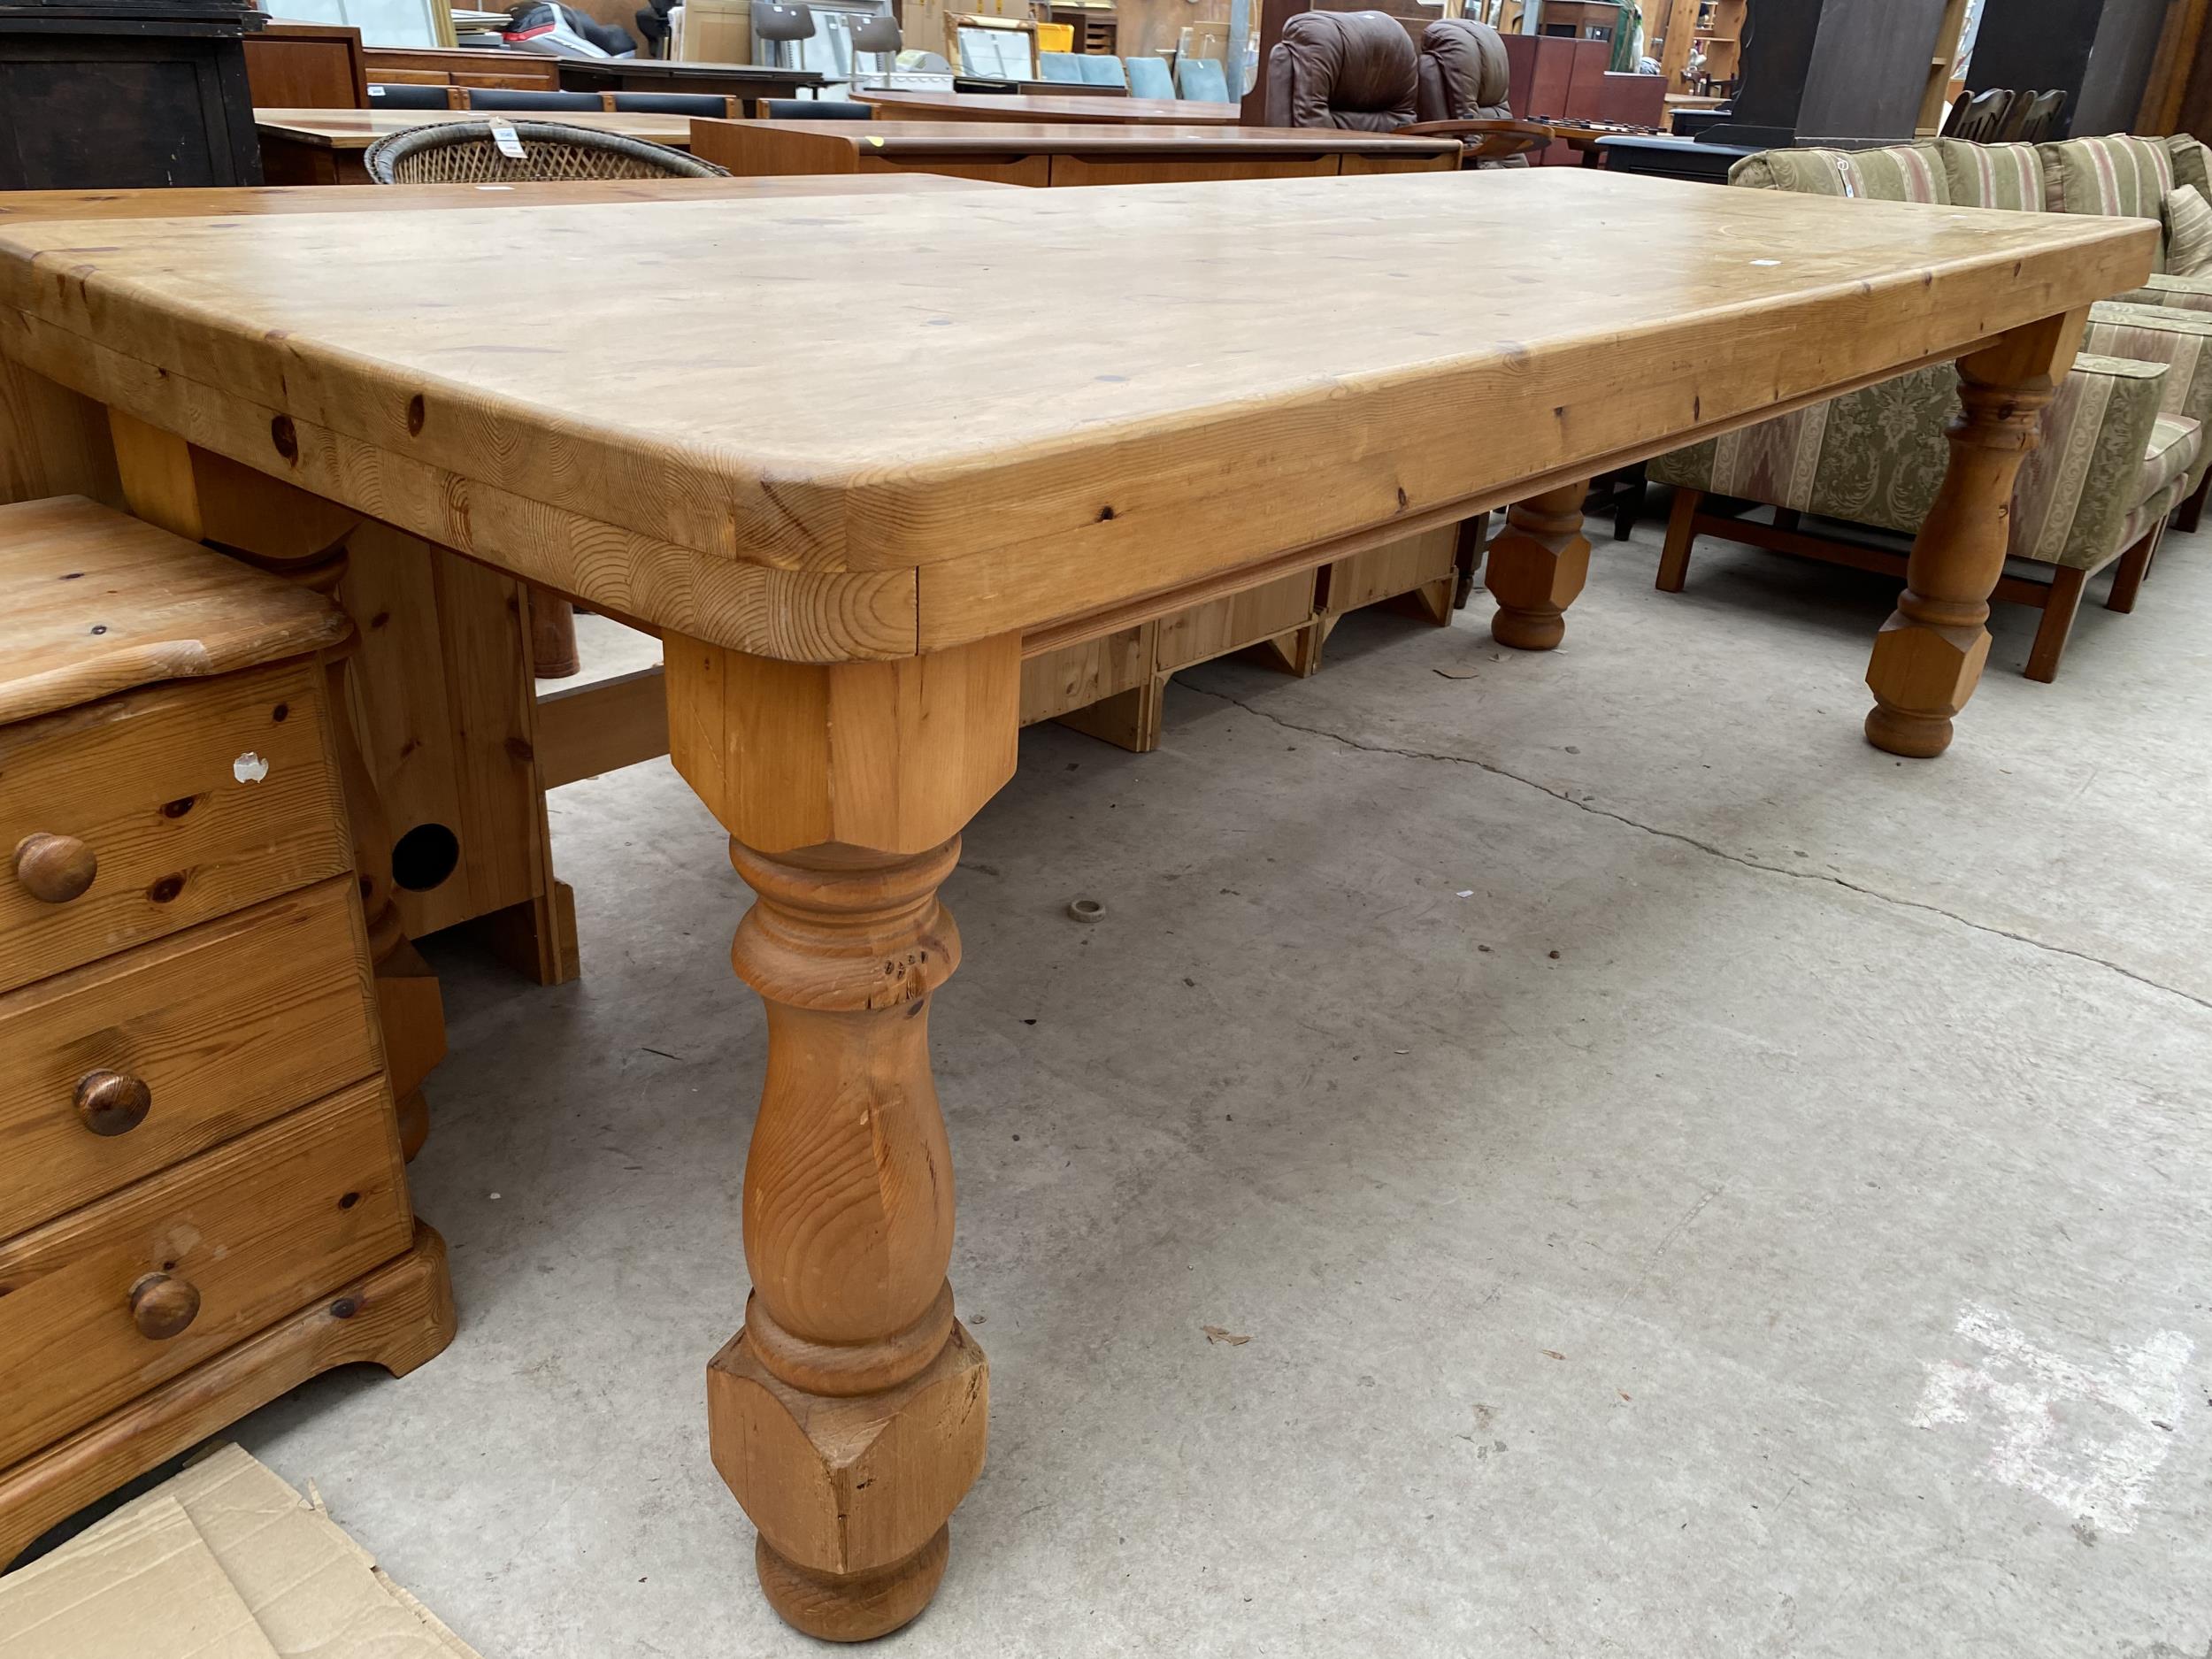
{"type": "Point", "coordinates": [509, 141]}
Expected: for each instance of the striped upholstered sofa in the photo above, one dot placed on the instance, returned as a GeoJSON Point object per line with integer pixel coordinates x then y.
{"type": "Point", "coordinates": [2124, 442]}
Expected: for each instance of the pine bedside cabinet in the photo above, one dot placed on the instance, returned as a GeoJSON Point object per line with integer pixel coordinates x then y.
{"type": "Point", "coordinates": [202, 1197]}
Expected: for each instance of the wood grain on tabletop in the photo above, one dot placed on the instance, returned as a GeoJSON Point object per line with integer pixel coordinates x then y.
{"type": "Point", "coordinates": [92, 602]}
{"type": "Point", "coordinates": [306, 198]}
{"type": "Point", "coordinates": [1264, 365]}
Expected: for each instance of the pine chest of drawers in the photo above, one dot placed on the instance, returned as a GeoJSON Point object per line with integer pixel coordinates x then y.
{"type": "Point", "coordinates": [202, 1200]}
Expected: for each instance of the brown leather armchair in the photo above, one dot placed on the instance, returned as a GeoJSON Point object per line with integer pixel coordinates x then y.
{"type": "Point", "coordinates": [1354, 70]}
{"type": "Point", "coordinates": [1461, 91]}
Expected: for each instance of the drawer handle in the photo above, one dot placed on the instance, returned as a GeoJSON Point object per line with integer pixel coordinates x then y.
{"type": "Point", "coordinates": [111, 1103]}
{"type": "Point", "coordinates": [55, 869]}
{"type": "Point", "coordinates": [161, 1307]}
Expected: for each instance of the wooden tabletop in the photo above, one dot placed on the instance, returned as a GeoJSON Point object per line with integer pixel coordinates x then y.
{"type": "Point", "coordinates": [590, 73]}
{"type": "Point", "coordinates": [261, 199]}
{"type": "Point", "coordinates": [1262, 366]}
{"type": "Point", "coordinates": [358, 129]}
{"type": "Point", "coordinates": [991, 106]}
{"type": "Point", "coordinates": [943, 138]}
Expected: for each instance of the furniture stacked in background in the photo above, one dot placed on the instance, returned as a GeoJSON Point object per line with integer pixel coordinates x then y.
{"type": "Point", "coordinates": [299, 66]}
{"type": "Point", "coordinates": [2100, 53]}
{"type": "Point", "coordinates": [901, 106]}
{"type": "Point", "coordinates": [2123, 444]}
{"type": "Point", "coordinates": [205, 1201]}
{"type": "Point", "coordinates": [2007, 116]}
{"type": "Point", "coordinates": [126, 94]}
{"type": "Point", "coordinates": [1003, 152]}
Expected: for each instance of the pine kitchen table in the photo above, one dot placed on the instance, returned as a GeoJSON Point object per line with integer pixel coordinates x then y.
{"type": "Point", "coordinates": [849, 548]}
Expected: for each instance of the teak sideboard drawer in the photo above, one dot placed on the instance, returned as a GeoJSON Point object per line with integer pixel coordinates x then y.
{"type": "Point", "coordinates": [119, 1069]}
{"type": "Point", "coordinates": [256, 1229]}
{"type": "Point", "coordinates": [157, 787]}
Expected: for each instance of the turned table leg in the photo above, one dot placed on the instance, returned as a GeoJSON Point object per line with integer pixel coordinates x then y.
{"type": "Point", "coordinates": [847, 1415]}
{"type": "Point", "coordinates": [1536, 567]}
{"type": "Point", "coordinates": [1929, 656]}
{"type": "Point", "coordinates": [204, 497]}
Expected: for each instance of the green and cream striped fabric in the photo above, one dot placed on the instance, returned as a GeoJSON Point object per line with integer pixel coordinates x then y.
{"type": "Point", "coordinates": [2180, 340]}
{"type": "Point", "coordinates": [2188, 232]}
{"type": "Point", "coordinates": [1898, 173]}
{"type": "Point", "coordinates": [2077, 486]}
{"type": "Point", "coordinates": [2172, 293]}
{"type": "Point", "coordinates": [1993, 175]}
{"type": "Point", "coordinates": [2192, 162]}
{"type": "Point", "coordinates": [2114, 175]}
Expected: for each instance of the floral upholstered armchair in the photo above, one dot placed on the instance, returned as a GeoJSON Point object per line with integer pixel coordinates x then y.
{"type": "Point", "coordinates": [2124, 441]}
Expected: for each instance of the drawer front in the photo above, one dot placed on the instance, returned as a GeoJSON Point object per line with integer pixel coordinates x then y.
{"type": "Point", "coordinates": [212, 1032]}
{"type": "Point", "coordinates": [258, 1228]}
{"type": "Point", "coordinates": [151, 784]}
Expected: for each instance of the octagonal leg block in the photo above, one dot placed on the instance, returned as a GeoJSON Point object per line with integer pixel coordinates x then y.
{"type": "Point", "coordinates": [850, 1494]}
{"type": "Point", "coordinates": [1926, 673]}
{"type": "Point", "coordinates": [1536, 568]}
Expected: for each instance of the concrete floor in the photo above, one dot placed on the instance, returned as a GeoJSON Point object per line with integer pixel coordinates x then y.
{"type": "Point", "coordinates": [1692, 1184]}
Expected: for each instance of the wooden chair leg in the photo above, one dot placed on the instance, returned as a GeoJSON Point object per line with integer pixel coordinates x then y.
{"type": "Point", "coordinates": [2187, 515]}
{"type": "Point", "coordinates": [552, 636]}
{"type": "Point", "coordinates": [1674, 560]}
{"type": "Point", "coordinates": [2067, 583]}
{"type": "Point", "coordinates": [2127, 580]}
{"type": "Point", "coordinates": [1467, 557]}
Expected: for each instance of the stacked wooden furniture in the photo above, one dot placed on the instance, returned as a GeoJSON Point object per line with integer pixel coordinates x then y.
{"type": "Point", "coordinates": [202, 1200]}
{"type": "Point", "coordinates": [1060, 154]}
{"type": "Point", "coordinates": [307, 66]}
{"type": "Point", "coordinates": [458, 66]}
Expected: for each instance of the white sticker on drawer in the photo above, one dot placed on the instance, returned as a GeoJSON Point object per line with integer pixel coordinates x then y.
{"type": "Point", "coordinates": [250, 768]}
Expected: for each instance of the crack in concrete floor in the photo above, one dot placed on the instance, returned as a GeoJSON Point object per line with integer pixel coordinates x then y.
{"type": "Point", "coordinates": [1708, 848]}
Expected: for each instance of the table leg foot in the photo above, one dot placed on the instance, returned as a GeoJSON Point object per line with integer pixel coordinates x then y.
{"type": "Point", "coordinates": [858, 1608]}
{"type": "Point", "coordinates": [1536, 567]}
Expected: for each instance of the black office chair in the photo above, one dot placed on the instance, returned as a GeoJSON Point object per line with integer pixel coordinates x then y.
{"type": "Point", "coordinates": [812, 110]}
{"type": "Point", "coordinates": [399, 96]}
{"type": "Point", "coordinates": [516, 98]}
{"type": "Point", "coordinates": [676, 103]}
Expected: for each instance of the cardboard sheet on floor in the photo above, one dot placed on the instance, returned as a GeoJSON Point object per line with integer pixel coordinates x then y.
{"type": "Point", "coordinates": [225, 1552]}
{"type": "Point", "coordinates": [142, 1583]}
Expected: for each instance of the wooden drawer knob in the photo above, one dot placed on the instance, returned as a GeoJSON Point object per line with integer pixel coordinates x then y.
{"type": "Point", "coordinates": [161, 1306]}
{"type": "Point", "coordinates": [55, 869]}
{"type": "Point", "coordinates": [111, 1103]}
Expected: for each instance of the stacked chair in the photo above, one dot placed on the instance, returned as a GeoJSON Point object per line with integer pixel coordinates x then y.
{"type": "Point", "coordinates": [2123, 442]}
